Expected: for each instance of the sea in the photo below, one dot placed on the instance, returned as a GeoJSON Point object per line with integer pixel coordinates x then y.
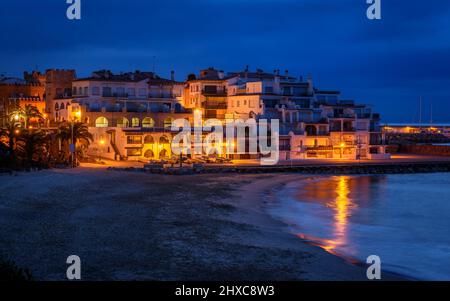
{"type": "Point", "coordinates": [404, 219]}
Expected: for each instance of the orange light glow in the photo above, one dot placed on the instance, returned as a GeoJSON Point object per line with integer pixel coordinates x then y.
{"type": "Point", "coordinates": [342, 205]}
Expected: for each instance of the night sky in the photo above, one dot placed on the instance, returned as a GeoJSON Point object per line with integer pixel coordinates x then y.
{"type": "Point", "coordinates": [388, 63]}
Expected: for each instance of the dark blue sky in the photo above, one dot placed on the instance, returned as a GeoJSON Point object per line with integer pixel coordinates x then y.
{"type": "Point", "coordinates": [387, 63]}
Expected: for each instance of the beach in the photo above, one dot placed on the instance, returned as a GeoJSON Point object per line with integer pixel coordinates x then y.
{"type": "Point", "coordinates": [137, 226]}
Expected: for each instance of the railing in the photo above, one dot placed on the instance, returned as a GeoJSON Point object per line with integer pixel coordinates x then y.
{"type": "Point", "coordinates": [214, 105]}
{"type": "Point", "coordinates": [214, 93]}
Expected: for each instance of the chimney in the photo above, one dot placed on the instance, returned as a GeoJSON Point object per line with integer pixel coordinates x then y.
{"type": "Point", "coordinates": [172, 75]}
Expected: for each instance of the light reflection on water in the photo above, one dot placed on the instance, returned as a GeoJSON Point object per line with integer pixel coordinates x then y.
{"type": "Point", "coordinates": [343, 195]}
{"type": "Point", "coordinates": [405, 219]}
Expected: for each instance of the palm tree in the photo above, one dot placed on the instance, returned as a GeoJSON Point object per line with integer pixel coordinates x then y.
{"type": "Point", "coordinates": [28, 112]}
{"type": "Point", "coordinates": [80, 132]}
{"type": "Point", "coordinates": [32, 145]}
{"type": "Point", "coordinates": [8, 135]}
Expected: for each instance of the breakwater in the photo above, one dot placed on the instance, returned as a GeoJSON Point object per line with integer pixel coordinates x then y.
{"type": "Point", "coordinates": [354, 168]}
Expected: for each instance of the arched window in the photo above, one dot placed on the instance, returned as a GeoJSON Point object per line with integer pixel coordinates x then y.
{"type": "Point", "coordinates": [148, 122]}
{"type": "Point", "coordinates": [149, 154]}
{"type": "Point", "coordinates": [135, 122]}
{"type": "Point", "coordinates": [101, 122]}
{"type": "Point", "coordinates": [61, 107]}
{"type": "Point", "coordinates": [56, 106]}
{"type": "Point", "coordinates": [163, 140]}
{"type": "Point", "coordinates": [168, 122]}
{"type": "Point", "coordinates": [122, 122]}
{"type": "Point", "coordinates": [149, 139]}
{"type": "Point", "coordinates": [163, 153]}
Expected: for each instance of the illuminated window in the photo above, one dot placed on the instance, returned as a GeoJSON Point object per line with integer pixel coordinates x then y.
{"type": "Point", "coordinates": [148, 122]}
{"type": "Point", "coordinates": [135, 122]}
{"type": "Point", "coordinates": [101, 122]}
{"type": "Point", "coordinates": [168, 122]}
{"type": "Point", "coordinates": [122, 122]}
{"type": "Point", "coordinates": [134, 139]}
{"type": "Point", "coordinates": [134, 152]}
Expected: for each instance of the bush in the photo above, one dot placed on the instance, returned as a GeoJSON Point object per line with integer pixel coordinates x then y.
{"type": "Point", "coordinates": [9, 271]}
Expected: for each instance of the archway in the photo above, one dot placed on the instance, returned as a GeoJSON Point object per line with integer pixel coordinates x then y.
{"type": "Point", "coordinates": [149, 154]}
{"type": "Point", "coordinates": [149, 139]}
{"type": "Point", "coordinates": [163, 154]}
{"type": "Point", "coordinates": [101, 122]}
{"type": "Point", "coordinates": [163, 140]}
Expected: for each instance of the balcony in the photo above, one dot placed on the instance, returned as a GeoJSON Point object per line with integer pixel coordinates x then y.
{"type": "Point", "coordinates": [116, 95]}
{"type": "Point", "coordinates": [212, 105]}
{"type": "Point", "coordinates": [214, 93]}
{"type": "Point", "coordinates": [345, 129]}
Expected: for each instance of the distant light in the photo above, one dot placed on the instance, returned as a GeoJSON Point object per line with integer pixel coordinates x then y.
{"type": "Point", "coordinates": [342, 144]}
{"type": "Point", "coordinates": [102, 142]}
{"type": "Point", "coordinates": [17, 131]}
{"type": "Point", "coordinates": [78, 114]}
{"type": "Point", "coordinates": [16, 117]}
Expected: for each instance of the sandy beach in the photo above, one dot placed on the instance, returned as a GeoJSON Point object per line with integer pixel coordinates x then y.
{"type": "Point", "coordinates": [138, 226]}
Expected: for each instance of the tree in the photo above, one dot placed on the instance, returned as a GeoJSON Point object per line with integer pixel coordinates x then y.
{"type": "Point", "coordinates": [32, 146]}
{"type": "Point", "coordinates": [81, 136]}
{"type": "Point", "coordinates": [8, 136]}
{"type": "Point", "coordinates": [26, 113]}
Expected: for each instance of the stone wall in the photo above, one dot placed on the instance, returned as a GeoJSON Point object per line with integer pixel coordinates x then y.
{"type": "Point", "coordinates": [434, 150]}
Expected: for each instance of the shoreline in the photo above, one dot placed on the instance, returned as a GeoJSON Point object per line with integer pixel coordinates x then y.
{"type": "Point", "coordinates": [213, 228]}
{"type": "Point", "coordinates": [337, 266]}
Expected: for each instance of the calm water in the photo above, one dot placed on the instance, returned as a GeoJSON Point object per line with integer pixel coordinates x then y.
{"type": "Point", "coordinates": [404, 219]}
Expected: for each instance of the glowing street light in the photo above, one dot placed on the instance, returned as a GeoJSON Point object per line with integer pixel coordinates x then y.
{"type": "Point", "coordinates": [16, 117]}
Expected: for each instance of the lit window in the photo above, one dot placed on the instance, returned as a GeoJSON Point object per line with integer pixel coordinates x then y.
{"type": "Point", "coordinates": [122, 122]}
{"type": "Point", "coordinates": [135, 122]}
{"type": "Point", "coordinates": [148, 122]}
{"type": "Point", "coordinates": [101, 122]}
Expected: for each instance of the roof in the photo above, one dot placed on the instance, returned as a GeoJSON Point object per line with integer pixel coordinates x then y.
{"type": "Point", "coordinates": [258, 75]}
{"type": "Point", "coordinates": [134, 77]}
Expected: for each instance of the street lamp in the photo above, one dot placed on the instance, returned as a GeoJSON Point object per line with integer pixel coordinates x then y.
{"type": "Point", "coordinates": [342, 145]}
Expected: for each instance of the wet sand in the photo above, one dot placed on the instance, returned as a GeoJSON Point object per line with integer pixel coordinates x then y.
{"type": "Point", "coordinates": [137, 226]}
